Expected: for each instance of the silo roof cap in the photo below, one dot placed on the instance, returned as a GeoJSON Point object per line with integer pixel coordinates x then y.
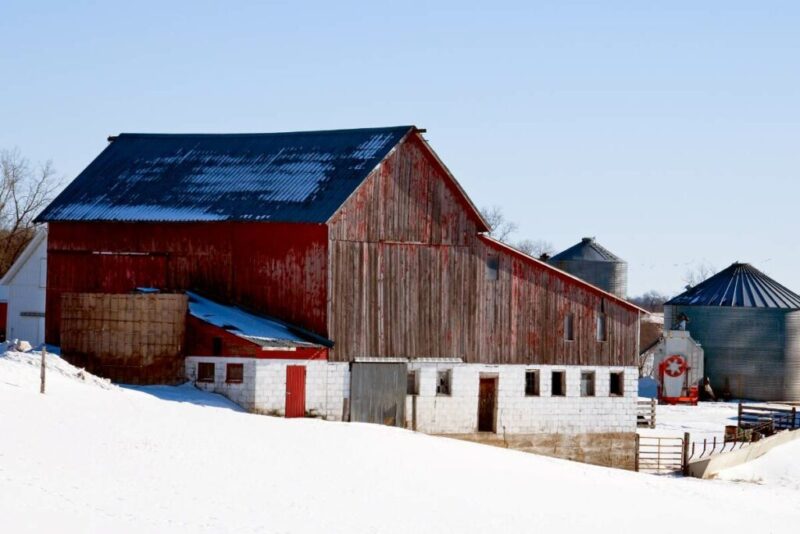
{"type": "Point", "coordinates": [740, 285]}
{"type": "Point", "coordinates": [587, 250]}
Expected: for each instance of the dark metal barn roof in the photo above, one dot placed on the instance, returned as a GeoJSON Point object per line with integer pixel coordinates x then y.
{"type": "Point", "coordinates": [740, 285]}
{"type": "Point", "coordinates": [288, 177]}
{"type": "Point", "coordinates": [587, 250]}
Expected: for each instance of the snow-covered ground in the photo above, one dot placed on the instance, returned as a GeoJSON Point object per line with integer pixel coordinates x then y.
{"type": "Point", "coordinates": [780, 467]}
{"type": "Point", "coordinates": [92, 457]}
{"type": "Point", "coordinates": [704, 421]}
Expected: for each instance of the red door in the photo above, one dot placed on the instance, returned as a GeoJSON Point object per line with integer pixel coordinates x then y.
{"type": "Point", "coordinates": [295, 390]}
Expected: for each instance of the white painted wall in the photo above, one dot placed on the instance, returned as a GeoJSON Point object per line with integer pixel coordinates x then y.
{"type": "Point", "coordinates": [328, 385]}
{"type": "Point", "coordinates": [518, 414]}
{"type": "Point", "coordinates": [263, 389]}
{"type": "Point", "coordinates": [26, 281]}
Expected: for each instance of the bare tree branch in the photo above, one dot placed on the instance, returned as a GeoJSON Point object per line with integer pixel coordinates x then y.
{"type": "Point", "coordinates": [24, 192]}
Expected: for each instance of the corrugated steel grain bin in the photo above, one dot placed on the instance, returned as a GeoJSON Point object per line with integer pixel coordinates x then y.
{"type": "Point", "coordinates": [749, 327]}
{"type": "Point", "coordinates": [590, 261]}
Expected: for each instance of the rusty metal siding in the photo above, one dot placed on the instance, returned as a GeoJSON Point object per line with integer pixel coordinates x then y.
{"type": "Point", "coordinates": [378, 393]}
{"type": "Point", "coordinates": [134, 339]}
{"type": "Point", "coordinates": [408, 279]}
{"type": "Point", "coordinates": [272, 268]}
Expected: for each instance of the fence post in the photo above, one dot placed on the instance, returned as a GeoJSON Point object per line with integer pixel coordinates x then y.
{"type": "Point", "coordinates": [43, 368]}
{"type": "Point", "coordinates": [636, 460]}
{"type": "Point", "coordinates": [652, 413]}
{"type": "Point", "coordinates": [685, 454]}
{"type": "Point", "coordinates": [794, 416]}
{"type": "Point", "coordinates": [739, 419]}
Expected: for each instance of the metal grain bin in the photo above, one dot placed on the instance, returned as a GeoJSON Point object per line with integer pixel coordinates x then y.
{"type": "Point", "coordinates": [590, 261]}
{"type": "Point", "coordinates": [749, 327]}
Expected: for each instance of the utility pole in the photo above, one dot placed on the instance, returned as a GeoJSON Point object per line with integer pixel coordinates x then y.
{"type": "Point", "coordinates": [44, 366]}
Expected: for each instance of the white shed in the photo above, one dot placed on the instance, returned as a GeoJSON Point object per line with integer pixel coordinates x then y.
{"type": "Point", "coordinates": [25, 282]}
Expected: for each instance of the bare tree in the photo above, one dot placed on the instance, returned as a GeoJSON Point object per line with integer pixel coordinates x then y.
{"type": "Point", "coordinates": [698, 273]}
{"type": "Point", "coordinates": [24, 191]}
{"type": "Point", "coordinates": [535, 247]}
{"type": "Point", "coordinates": [652, 301]}
{"type": "Point", "coordinates": [501, 228]}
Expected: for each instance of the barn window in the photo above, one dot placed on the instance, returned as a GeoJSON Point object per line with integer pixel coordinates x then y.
{"type": "Point", "coordinates": [587, 384]}
{"type": "Point", "coordinates": [216, 346]}
{"type": "Point", "coordinates": [492, 268]}
{"type": "Point", "coordinates": [412, 384]}
{"type": "Point", "coordinates": [558, 385]}
{"type": "Point", "coordinates": [602, 327]}
{"type": "Point", "coordinates": [234, 373]}
{"type": "Point", "coordinates": [205, 372]}
{"type": "Point", "coordinates": [569, 327]}
{"type": "Point", "coordinates": [531, 383]}
{"type": "Point", "coordinates": [444, 381]}
{"type": "Point", "coordinates": [616, 384]}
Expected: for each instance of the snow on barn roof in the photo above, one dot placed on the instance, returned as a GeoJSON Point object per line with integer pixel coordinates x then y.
{"type": "Point", "coordinates": [740, 285]}
{"type": "Point", "coordinates": [261, 330]}
{"type": "Point", "coordinates": [286, 177]}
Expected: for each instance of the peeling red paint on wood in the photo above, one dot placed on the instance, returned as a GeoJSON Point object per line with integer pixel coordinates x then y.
{"type": "Point", "coordinates": [272, 268]}
{"type": "Point", "coordinates": [200, 342]}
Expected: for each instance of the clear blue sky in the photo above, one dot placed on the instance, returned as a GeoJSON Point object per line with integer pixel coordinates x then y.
{"type": "Point", "coordinates": [669, 130]}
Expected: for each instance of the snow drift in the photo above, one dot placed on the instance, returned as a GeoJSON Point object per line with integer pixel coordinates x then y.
{"type": "Point", "coordinates": [92, 457]}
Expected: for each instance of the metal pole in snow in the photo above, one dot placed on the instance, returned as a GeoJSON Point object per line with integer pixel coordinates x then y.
{"type": "Point", "coordinates": [44, 366]}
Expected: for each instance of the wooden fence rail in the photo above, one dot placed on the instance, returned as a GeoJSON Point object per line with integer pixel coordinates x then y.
{"type": "Point", "coordinates": [646, 413]}
{"type": "Point", "coordinates": [758, 416]}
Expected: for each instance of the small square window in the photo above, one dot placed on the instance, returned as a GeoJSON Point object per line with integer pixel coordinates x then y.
{"type": "Point", "coordinates": [587, 384]}
{"type": "Point", "coordinates": [216, 346]}
{"type": "Point", "coordinates": [569, 327]}
{"type": "Point", "coordinates": [531, 383]}
{"type": "Point", "coordinates": [443, 382]}
{"type": "Point", "coordinates": [412, 384]}
{"type": "Point", "coordinates": [602, 327]}
{"type": "Point", "coordinates": [616, 384]}
{"type": "Point", "coordinates": [558, 386]}
{"type": "Point", "coordinates": [205, 372]}
{"type": "Point", "coordinates": [492, 268]}
{"type": "Point", "coordinates": [234, 373]}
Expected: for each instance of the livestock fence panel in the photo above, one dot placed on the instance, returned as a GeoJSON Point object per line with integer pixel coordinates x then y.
{"type": "Point", "coordinates": [646, 413]}
{"type": "Point", "coordinates": [661, 454]}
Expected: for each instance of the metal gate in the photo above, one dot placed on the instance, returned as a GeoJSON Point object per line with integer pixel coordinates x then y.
{"type": "Point", "coordinates": [378, 393]}
{"type": "Point", "coordinates": [661, 455]}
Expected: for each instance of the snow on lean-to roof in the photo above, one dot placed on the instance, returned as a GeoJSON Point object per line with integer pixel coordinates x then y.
{"type": "Point", "coordinates": [284, 177]}
{"type": "Point", "coordinates": [260, 330]}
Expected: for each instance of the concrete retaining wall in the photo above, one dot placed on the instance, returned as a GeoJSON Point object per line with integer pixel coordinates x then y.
{"type": "Point", "coordinates": [711, 466]}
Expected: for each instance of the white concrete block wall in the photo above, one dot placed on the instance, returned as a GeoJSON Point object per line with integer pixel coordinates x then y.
{"type": "Point", "coordinates": [516, 413]}
{"type": "Point", "coordinates": [263, 389]}
{"type": "Point", "coordinates": [328, 384]}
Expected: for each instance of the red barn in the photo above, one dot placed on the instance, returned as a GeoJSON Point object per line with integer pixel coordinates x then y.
{"type": "Point", "coordinates": [394, 304]}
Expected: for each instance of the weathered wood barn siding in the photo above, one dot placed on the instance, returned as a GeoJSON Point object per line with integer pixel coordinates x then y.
{"type": "Point", "coordinates": [408, 278]}
{"type": "Point", "coordinates": [272, 268]}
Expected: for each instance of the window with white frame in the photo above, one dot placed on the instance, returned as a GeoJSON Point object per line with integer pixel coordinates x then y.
{"type": "Point", "coordinates": [587, 383]}
{"type": "Point", "coordinates": [444, 379]}
{"type": "Point", "coordinates": [531, 383]}
{"type": "Point", "coordinates": [558, 384]}
{"type": "Point", "coordinates": [616, 384]}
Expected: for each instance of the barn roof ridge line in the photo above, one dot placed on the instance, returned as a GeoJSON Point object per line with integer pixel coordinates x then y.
{"type": "Point", "coordinates": [563, 273]}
